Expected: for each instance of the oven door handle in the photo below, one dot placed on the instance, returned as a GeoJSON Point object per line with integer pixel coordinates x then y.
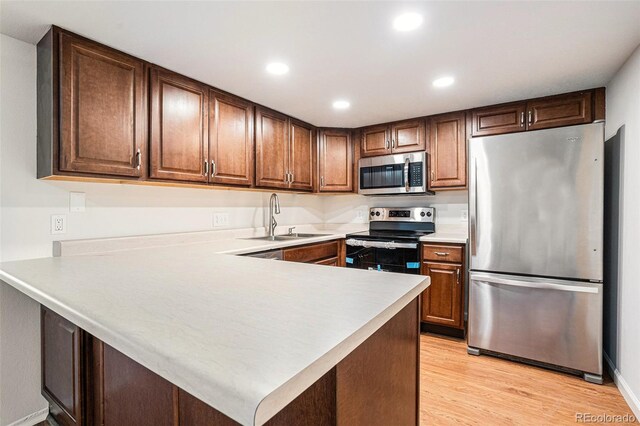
{"type": "Point", "coordinates": [390, 245]}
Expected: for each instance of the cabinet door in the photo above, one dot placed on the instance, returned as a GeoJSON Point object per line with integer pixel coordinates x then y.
{"type": "Point", "coordinates": [559, 111]}
{"type": "Point", "coordinates": [301, 152]}
{"type": "Point", "coordinates": [498, 119]}
{"type": "Point", "coordinates": [408, 136]}
{"type": "Point", "coordinates": [102, 110]}
{"type": "Point", "coordinates": [62, 368]}
{"type": "Point", "coordinates": [272, 148]}
{"type": "Point", "coordinates": [179, 146]}
{"type": "Point", "coordinates": [335, 161]}
{"type": "Point", "coordinates": [442, 301]}
{"type": "Point", "coordinates": [230, 139]}
{"type": "Point", "coordinates": [375, 141]}
{"type": "Point", "coordinates": [126, 393]}
{"type": "Point", "coordinates": [448, 152]}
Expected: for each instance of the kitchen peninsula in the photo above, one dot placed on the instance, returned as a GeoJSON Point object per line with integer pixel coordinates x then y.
{"type": "Point", "coordinates": [196, 337]}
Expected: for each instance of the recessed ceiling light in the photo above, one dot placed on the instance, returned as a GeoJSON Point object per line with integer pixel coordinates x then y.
{"type": "Point", "coordinates": [277, 68]}
{"type": "Point", "coordinates": [407, 21]}
{"type": "Point", "coordinates": [443, 81]}
{"type": "Point", "coordinates": [341, 104]}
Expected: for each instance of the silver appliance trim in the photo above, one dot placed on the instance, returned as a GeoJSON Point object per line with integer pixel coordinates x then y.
{"type": "Point", "coordinates": [535, 282]}
{"type": "Point", "coordinates": [404, 159]}
{"type": "Point", "coordinates": [389, 245]}
{"type": "Point", "coordinates": [384, 214]}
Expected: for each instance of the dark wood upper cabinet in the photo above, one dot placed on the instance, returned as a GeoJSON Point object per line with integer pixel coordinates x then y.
{"type": "Point", "coordinates": [375, 141]}
{"type": "Point", "coordinates": [301, 152]}
{"type": "Point", "coordinates": [62, 368]}
{"type": "Point", "coordinates": [442, 302]}
{"type": "Point", "coordinates": [179, 136]}
{"type": "Point", "coordinates": [408, 136]}
{"type": "Point", "coordinates": [498, 119]}
{"type": "Point", "coordinates": [272, 148]}
{"type": "Point", "coordinates": [335, 161]}
{"type": "Point", "coordinates": [231, 142]}
{"type": "Point", "coordinates": [559, 111]}
{"type": "Point", "coordinates": [285, 150]}
{"type": "Point", "coordinates": [543, 113]}
{"type": "Point", "coordinates": [447, 151]}
{"type": "Point", "coordinates": [102, 109]}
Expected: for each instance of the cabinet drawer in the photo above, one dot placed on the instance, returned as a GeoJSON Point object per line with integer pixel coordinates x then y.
{"type": "Point", "coordinates": [442, 253]}
{"type": "Point", "coordinates": [332, 261]}
{"type": "Point", "coordinates": [313, 252]}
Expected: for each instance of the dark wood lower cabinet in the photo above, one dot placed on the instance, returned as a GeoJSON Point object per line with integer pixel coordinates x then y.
{"type": "Point", "coordinates": [377, 384]}
{"type": "Point", "coordinates": [326, 253]}
{"type": "Point", "coordinates": [443, 301]}
{"type": "Point", "coordinates": [126, 393]}
{"type": "Point", "coordinates": [63, 347]}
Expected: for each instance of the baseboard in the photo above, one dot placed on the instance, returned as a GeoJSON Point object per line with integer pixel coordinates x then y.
{"type": "Point", "coordinates": [32, 419]}
{"type": "Point", "coordinates": [625, 390]}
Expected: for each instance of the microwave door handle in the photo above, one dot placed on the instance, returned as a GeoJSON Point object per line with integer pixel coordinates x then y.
{"type": "Point", "coordinates": [406, 174]}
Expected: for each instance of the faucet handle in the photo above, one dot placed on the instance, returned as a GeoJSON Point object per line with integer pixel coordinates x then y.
{"type": "Point", "coordinates": [291, 230]}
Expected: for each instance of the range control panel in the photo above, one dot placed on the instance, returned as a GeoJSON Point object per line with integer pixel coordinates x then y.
{"type": "Point", "coordinates": [402, 214]}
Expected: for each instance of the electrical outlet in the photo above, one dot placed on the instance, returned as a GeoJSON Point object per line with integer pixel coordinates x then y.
{"type": "Point", "coordinates": [464, 216]}
{"type": "Point", "coordinates": [220, 220]}
{"type": "Point", "coordinates": [58, 224]}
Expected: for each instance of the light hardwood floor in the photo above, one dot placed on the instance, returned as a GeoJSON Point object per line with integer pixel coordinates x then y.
{"type": "Point", "coordinates": [456, 388]}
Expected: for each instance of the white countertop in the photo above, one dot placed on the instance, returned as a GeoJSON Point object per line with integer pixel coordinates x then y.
{"type": "Point", "coordinates": [448, 233]}
{"type": "Point", "coordinates": [244, 335]}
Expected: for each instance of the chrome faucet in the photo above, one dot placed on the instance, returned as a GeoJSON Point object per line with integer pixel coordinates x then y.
{"type": "Point", "coordinates": [274, 209]}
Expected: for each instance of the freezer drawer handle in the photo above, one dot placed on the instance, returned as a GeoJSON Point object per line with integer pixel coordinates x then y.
{"type": "Point", "coordinates": [390, 245]}
{"type": "Point", "coordinates": [531, 284]}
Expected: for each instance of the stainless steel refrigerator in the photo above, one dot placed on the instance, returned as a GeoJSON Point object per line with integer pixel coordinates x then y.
{"type": "Point", "coordinates": [535, 242]}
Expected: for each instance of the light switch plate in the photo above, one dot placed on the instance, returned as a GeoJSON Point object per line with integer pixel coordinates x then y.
{"type": "Point", "coordinates": [58, 224]}
{"type": "Point", "coordinates": [220, 220]}
{"type": "Point", "coordinates": [77, 202]}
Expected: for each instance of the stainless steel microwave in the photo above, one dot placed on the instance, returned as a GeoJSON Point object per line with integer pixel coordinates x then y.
{"type": "Point", "coordinates": [394, 174]}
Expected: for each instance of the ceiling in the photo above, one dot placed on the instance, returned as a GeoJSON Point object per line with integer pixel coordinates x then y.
{"type": "Point", "coordinates": [497, 51]}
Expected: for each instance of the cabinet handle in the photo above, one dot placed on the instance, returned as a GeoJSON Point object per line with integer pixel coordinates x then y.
{"type": "Point", "coordinates": [530, 118]}
{"type": "Point", "coordinates": [458, 276]}
{"type": "Point", "coordinates": [213, 168]}
{"type": "Point", "coordinates": [322, 181]}
{"type": "Point", "coordinates": [393, 143]}
{"type": "Point", "coordinates": [522, 119]}
{"type": "Point", "coordinates": [441, 253]}
{"type": "Point", "coordinates": [138, 159]}
{"type": "Point", "coordinates": [386, 144]}
{"type": "Point", "coordinates": [432, 176]}
{"type": "Point", "coordinates": [291, 177]}
{"type": "Point", "coordinates": [206, 168]}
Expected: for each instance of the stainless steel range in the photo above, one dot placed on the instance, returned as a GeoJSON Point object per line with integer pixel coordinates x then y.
{"type": "Point", "coordinates": [392, 241]}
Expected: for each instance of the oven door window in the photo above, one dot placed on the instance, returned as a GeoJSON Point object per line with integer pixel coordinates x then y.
{"type": "Point", "coordinates": [404, 260]}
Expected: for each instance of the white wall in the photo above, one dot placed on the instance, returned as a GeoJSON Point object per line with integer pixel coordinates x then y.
{"type": "Point", "coordinates": [449, 206]}
{"type": "Point", "coordinates": [623, 109]}
{"type": "Point", "coordinates": [112, 210]}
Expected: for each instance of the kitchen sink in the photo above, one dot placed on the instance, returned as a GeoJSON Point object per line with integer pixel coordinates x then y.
{"type": "Point", "coordinates": [285, 237]}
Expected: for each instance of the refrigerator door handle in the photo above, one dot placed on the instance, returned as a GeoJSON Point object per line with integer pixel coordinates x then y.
{"type": "Point", "coordinates": [538, 284]}
{"type": "Point", "coordinates": [473, 206]}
